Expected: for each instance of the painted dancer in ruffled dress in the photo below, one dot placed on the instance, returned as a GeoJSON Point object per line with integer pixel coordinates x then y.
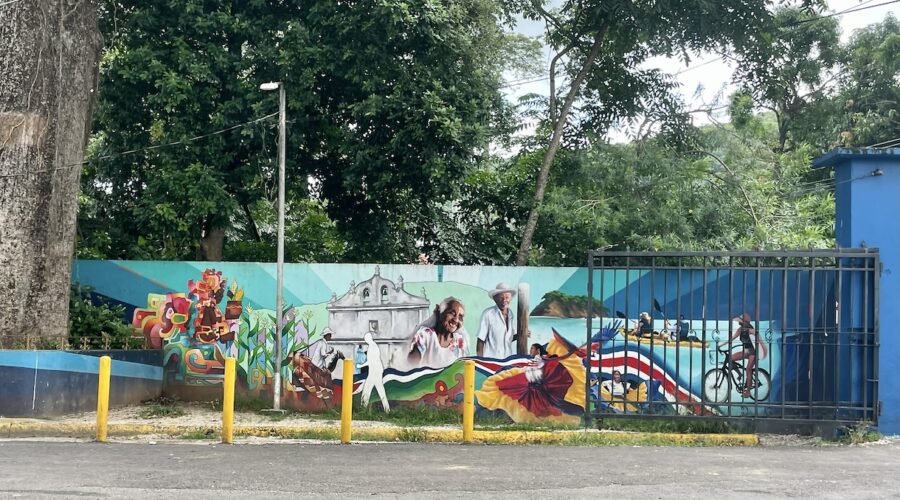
{"type": "Point", "coordinates": [548, 388]}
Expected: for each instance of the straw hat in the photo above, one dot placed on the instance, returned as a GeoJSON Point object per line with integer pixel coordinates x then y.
{"type": "Point", "coordinates": [501, 288]}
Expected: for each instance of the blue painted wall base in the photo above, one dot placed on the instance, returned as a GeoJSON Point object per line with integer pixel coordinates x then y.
{"type": "Point", "coordinates": [50, 383]}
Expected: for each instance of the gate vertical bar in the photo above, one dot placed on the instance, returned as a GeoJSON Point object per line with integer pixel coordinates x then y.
{"type": "Point", "coordinates": [759, 338]}
{"type": "Point", "coordinates": [784, 303]}
{"type": "Point", "coordinates": [771, 327]}
{"type": "Point", "coordinates": [728, 318]}
{"type": "Point", "coordinates": [838, 345]}
{"type": "Point", "coordinates": [678, 336]}
{"type": "Point", "coordinates": [652, 404]}
{"type": "Point", "coordinates": [876, 333]}
{"type": "Point", "coordinates": [811, 300]}
{"type": "Point", "coordinates": [799, 330]}
{"type": "Point", "coordinates": [590, 364]}
{"type": "Point", "coordinates": [627, 315]}
{"type": "Point", "coordinates": [705, 346]}
{"type": "Point", "coordinates": [588, 323]}
{"type": "Point", "coordinates": [864, 375]}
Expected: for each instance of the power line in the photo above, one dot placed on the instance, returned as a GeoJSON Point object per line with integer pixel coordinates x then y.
{"type": "Point", "coordinates": [139, 150]}
{"type": "Point", "coordinates": [7, 3]}
{"type": "Point", "coordinates": [874, 173]}
{"type": "Point", "coordinates": [183, 141]}
{"type": "Point", "coordinates": [886, 144]}
{"type": "Point", "coordinates": [845, 11]}
{"type": "Point", "coordinates": [858, 8]}
{"type": "Point", "coordinates": [514, 83]}
{"type": "Point", "coordinates": [692, 68]}
{"type": "Point", "coordinates": [850, 10]}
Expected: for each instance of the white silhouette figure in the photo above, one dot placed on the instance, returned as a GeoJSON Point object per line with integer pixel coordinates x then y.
{"type": "Point", "coordinates": [376, 372]}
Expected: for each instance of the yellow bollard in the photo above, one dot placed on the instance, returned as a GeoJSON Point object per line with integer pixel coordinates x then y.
{"type": "Point", "coordinates": [469, 402]}
{"type": "Point", "coordinates": [228, 402]}
{"type": "Point", "coordinates": [103, 397]}
{"type": "Point", "coordinates": [347, 401]}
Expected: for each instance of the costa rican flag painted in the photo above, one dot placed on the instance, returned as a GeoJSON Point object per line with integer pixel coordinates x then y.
{"type": "Point", "coordinates": [636, 363]}
{"type": "Point", "coordinates": [489, 366]}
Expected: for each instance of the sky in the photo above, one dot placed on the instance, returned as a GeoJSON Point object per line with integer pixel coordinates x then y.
{"type": "Point", "coordinates": [701, 83]}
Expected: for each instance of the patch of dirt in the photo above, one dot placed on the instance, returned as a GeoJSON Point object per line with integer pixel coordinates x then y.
{"type": "Point", "coordinates": [198, 415]}
{"type": "Point", "coordinates": [789, 440]}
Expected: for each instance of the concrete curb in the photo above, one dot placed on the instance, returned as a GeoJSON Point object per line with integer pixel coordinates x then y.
{"type": "Point", "coordinates": [13, 428]}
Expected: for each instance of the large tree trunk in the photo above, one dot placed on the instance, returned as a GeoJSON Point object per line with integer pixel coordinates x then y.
{"type": "Point", "coordinates": [212, 244]}
{"type": "Point", "coordinates": [49, 51]}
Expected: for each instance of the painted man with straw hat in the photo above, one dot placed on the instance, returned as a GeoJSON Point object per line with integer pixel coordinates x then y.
{"type": "Point", "coordinates": [497, 330]}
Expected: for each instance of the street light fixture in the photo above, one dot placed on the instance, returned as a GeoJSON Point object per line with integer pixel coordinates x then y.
{"type": "Point", "coordinates": [279, 296]}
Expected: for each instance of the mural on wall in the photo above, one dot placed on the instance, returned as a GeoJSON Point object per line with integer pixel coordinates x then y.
{"type": "Point", "coordinates": [409, 328]}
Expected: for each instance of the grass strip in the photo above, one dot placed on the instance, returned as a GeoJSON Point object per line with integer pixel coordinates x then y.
{"type": "Point", "coordinates": [403, 434]}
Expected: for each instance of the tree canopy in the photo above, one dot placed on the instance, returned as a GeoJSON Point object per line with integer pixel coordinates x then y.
{"type": "Point", "coordinates": [390, 105]}
{"type": "Point", "coordinates": [396, 111]}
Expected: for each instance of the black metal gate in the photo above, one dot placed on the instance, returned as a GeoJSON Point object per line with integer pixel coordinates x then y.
{"type": "Point", "coordinates": [790, 335]}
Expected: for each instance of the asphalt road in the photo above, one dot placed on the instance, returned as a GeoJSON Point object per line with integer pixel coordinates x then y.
{"type": "Point", "coordinates": [33, 469]}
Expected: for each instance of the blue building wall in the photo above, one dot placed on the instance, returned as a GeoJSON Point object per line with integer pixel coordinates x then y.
{"type": "Point", "coordinates": [48, 383]}
{"type": "Point", "coordinates": [867, 191]}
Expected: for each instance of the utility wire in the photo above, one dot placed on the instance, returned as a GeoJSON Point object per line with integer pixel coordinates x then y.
{"type": "Point", "coordinates": [859, 8]}
{"type": "Point", "coordinates": [803, 192]}
{"type": "Point", "coordinates": [139, 150]}
{"type": "Point", "coordinates": [183, 141]}
{"type": "Point", "coordinates": [886, 144]}
{"type": "Point", "coordinates": [850, 10]}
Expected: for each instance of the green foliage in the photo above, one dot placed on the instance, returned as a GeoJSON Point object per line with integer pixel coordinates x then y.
{"type": "Point", "coordinates": [406, 416]}
{"type": "Point", "coordinates": [162, 407]}
{"type": "Point", "coordinates": [579, 302]}
{"type": "Point", "coordinates": [860, 433]}
{"type": "Point", "coordinates": [390, 105]}
{"type": "Point", "coordinates": [200, 434]}
{"type": "Point", "coordinates": [788, 64]}
{"type": "Point", "coordinates": [731, 191]}
{"type": "Point", "coordinates": [310, 235]}
{"type": "Point", "coordinates": [95, 323]}
{"type": "Point", "coordinates": [870, 90]}
{"type": "Point", "coordinates": [661, 425]}
{"type": "Point", "coordinates": [824, 94]}
{"type": "Point", "coordinates": [393, 106]}
{"type": "Point", "coordinates": [242, 403]}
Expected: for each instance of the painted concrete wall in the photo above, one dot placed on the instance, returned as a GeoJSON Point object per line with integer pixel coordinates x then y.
{"type": "Point", "coordinates": [200, 313]}
{"type": "Point", "coordinates": [867, 191]}
{"type": "Point", "coordinates": [49, 383]}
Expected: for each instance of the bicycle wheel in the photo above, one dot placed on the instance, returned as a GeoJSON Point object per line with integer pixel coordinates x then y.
{"type": "Point", "coordinates": [762, 386]}
{"type": "Point", "coordinates": [716, 386]}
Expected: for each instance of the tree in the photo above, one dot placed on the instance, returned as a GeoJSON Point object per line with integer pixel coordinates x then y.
{"type": "Point", "coordinates": [95, 323]}
{"type": "Point", "coordinates": [171, 72]}
{"type": "Point", "coordinates": [785, 67]}
{"type": "Point", "coordinates": [870, 89]}
{"type": "Point", "coordinates": [390, 103]}
{"type": "Point", "coordinates": [408, 101]}
{"type": "Point", "coordinates": [715, 191]}
{"type": "Point", "coordinates": [822, 93]}
{"type": "Point", "coordinates": [602, 44]}
{"type": "Point", "coordinates": [48, 51]}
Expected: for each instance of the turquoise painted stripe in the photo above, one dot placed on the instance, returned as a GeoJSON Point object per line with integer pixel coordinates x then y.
{"type": "Point", "coordinates": [79, 363]}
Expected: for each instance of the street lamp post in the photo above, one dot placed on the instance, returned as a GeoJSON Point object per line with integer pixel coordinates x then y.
{"type": "Point", "coordinates": [279, 295]}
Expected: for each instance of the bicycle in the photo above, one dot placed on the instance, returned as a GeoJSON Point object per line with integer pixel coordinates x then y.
{"type": "Point", "coordinates": [717, 382]}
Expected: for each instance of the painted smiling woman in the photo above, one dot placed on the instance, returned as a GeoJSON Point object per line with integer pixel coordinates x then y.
{"type": "Point", "coordinates": [441, 339]}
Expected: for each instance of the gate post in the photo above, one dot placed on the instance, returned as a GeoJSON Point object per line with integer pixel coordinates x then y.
{"type": "Point", "coordinates": [867, 201]}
